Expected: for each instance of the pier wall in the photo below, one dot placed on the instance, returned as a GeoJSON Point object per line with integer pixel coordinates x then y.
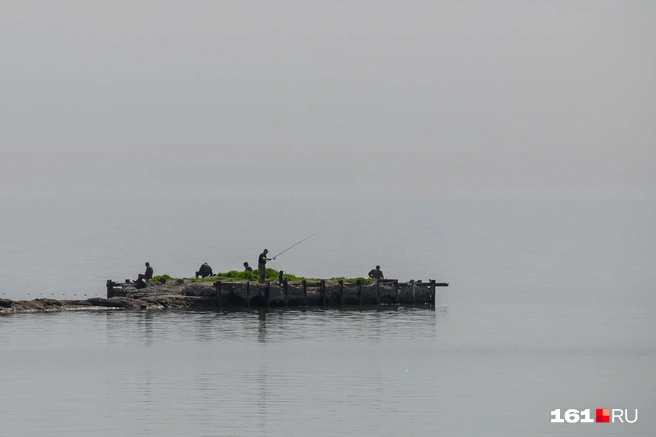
{"type": "Point", "coordinates": [286, 294]}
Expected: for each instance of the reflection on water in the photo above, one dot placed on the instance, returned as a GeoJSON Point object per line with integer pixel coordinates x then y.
{"type": "Point", "coordinates": [388, 372]}
{"type": "Point", "coordinates": [271, 326]}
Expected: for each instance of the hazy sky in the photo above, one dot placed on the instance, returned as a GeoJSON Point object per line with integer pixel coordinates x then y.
{"type": "Point", "coordinates": [392, 99]}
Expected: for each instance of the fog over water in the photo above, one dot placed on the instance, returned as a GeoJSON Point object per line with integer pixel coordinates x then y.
{"type": "Point", "coordinates": [505, 147]}
{"type": "Point", "coordinates": [327, 99]}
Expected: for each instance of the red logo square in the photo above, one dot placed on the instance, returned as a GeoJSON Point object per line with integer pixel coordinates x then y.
{"type": "Point", "coordinates": [603, 415]}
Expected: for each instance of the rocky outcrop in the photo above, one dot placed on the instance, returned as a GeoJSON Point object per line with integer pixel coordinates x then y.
{"type": "Point", "coordinates": [97, 303]}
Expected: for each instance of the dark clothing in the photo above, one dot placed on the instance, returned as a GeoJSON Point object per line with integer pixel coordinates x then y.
{"type": "Point", "coordinates": [261, 267]}
{"type": "Point", "coordinates": [262, 272]}
{"type": "Point", "coordinates": [147, 275]}
{"type": "Point", "coordinates": [248, 269]}
{"type": "Point", "coordinates": [376, 274]}
{"type": "Point", "coordinates": [204, 271]}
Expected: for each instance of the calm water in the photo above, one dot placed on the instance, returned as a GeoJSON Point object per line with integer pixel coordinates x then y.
{"type": "Point", "coordinates": [551, 305]}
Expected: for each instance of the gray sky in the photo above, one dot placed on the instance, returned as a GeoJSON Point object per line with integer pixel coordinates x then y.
{"type": "Point", "coordinates": [391, 99]}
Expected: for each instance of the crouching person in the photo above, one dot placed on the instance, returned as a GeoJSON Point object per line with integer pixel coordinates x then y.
{"type": "Point", "coordinates": [204, 271]}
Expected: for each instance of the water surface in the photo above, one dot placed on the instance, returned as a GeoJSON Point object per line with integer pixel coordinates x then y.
{"type": "Point", "coordinates": [551, 305]}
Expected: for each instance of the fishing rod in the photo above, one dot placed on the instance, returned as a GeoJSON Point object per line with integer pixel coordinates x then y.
{"type": "Point", "coordinates": [297, 243]}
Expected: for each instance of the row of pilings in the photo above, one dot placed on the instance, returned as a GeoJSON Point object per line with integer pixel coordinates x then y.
{"type": "Point", "coordinates": [304, 294]}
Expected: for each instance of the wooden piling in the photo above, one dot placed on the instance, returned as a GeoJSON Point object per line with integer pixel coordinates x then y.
{"type": "Point", "coordinates": [285, 288]}
{"type": "Point", "coordinates": [378, 292]}
{"type": "Point", "coordinates": [304, 283]}
{"type": "Point", "coordinates": [110, 289]}
{"type": "Point", "coordinates": [414, 299]}
{"type": "Point", "coordinates": [341, 292]}
{"type": "Point", "coordinates": [267, 293]}
{"type": "Point", "coordinates": [219, 294]}
{"type": "Point", "coordinates": [432, 291]}
{"type": "Point", "coordinates": [396, 291]}
{"type": "Point", "coordinates": [322, 291]}
{"type": "Point", "coordinates": [248, 295]}
{"type": "Point", "coordinates": [359, 284]}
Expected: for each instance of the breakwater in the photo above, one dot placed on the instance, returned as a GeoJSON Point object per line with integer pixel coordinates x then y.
{"type": "Point", "coordinates": [295, 294]}
{"type": "Point", "coordinates": [221, 295]}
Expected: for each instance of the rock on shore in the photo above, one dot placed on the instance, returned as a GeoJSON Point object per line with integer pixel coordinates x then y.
{"type": "Point", "coordinates": [166, 296]}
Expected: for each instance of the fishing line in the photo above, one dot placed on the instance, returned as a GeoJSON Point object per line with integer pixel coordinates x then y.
{"type": "Point", "coordinates": [297, 243]}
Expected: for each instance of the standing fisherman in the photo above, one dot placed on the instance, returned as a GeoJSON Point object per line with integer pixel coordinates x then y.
{"type": "Point", "coordinates": [261, 265]}
{"type": "Point", "coordinates": [261, 261]}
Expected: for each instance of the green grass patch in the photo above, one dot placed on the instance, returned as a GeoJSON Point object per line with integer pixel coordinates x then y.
{"type": "Point", "coordinates": [242, 276]}
{"type": "Point", "coordinates": [160, 277]}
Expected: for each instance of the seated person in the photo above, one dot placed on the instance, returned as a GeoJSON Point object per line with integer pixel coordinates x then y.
{"type": "Point", "coordinates": [247, 268]}
{"type": "Point", "coordinates": [376, 273]}
{"type": "Point", "coordinates": [145, 278]}
{"type": "Point", "coordinates": [204, 271]}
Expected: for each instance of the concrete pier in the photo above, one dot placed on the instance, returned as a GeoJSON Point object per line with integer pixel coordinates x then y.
{"type": "Point", "coordinates": [322, 293]}
{"type": "Point", "coordinates": [223, 295]}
